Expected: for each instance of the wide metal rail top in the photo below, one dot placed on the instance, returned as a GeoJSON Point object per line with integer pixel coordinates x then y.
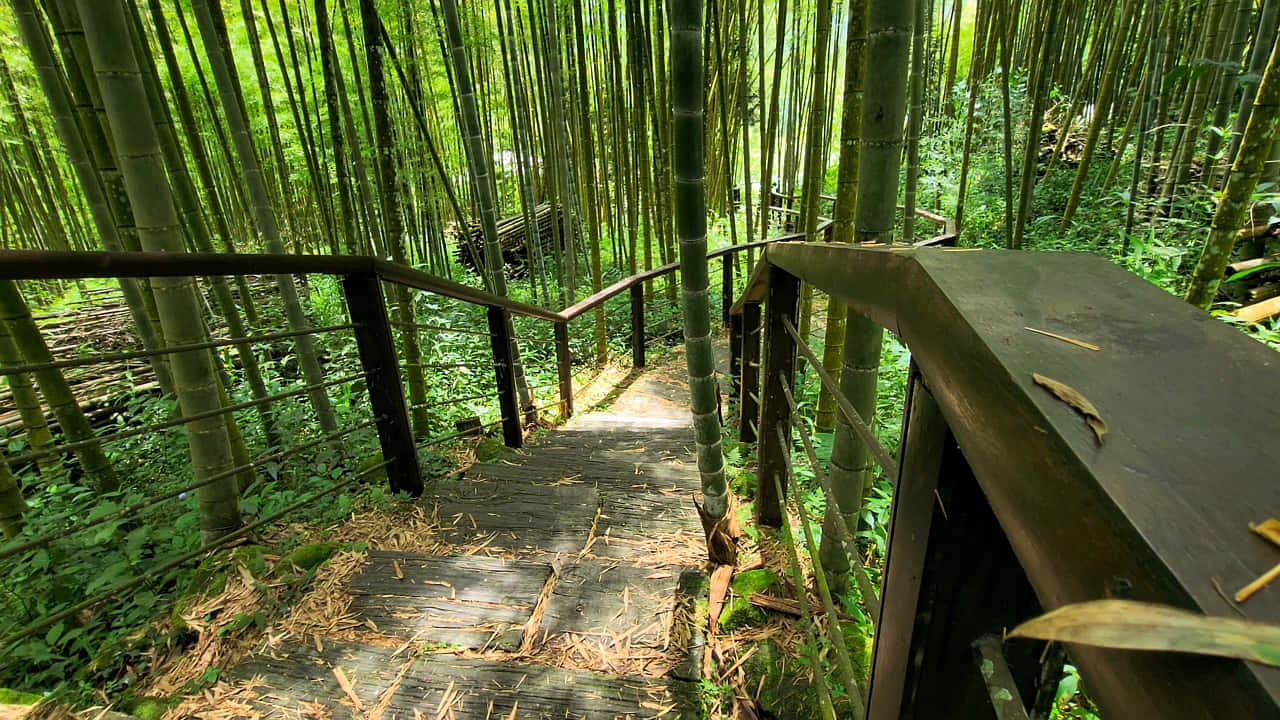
{"type": "Point", "coordinates": [1158, 510]}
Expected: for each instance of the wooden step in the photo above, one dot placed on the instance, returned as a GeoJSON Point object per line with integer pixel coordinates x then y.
{"type": "Point", "coordinates": [460, 601]}
{"type": "Point", "coordinates": [299, 680]}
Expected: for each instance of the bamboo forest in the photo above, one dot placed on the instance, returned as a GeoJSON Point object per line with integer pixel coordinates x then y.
{"type": "Point", "coordinates": [724, 359]}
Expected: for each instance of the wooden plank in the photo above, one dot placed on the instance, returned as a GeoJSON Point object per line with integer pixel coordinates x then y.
{"type": "Point", "coordinates": [613, 606]}
{"type": "Point", "coordinates": [965, 595]}
{"type": "Point", "coordinates": [441, 685]}
{"type": "Point", "coordinates": [631, 486]}
{"type": "Point", "coordinates": [463, 601]}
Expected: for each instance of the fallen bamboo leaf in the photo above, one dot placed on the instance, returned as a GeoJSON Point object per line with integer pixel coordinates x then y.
{"type": "Point", "coordinates": [1269, 529]}
{"type": "Point", "coordinates": [1064, 338]}
{"type": "Point", "coordinates": [1129, 625]}
{"type": "Point", "coordinates": [347, 688]}
{"type": "Point", "coordinates": [1262, 581]}
{"type": "Point", "coordinates": [399, 571]}
{"type": "Point", "coordinates": [1072, 397]}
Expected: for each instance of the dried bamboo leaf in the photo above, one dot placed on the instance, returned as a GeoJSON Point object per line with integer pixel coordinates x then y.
{"type": "Point", "coordinates": [1262, 581]}
{"type": "Point", "coordinates": [347, 688]}
{"type": "Point", "coordinates": [1269, 529]}
{"type": "Point", "coordinates": [1075, 399]}
{"type": "Point", "coordinates": [1064, 338]}
{"type": "Point", "coordinates": [1129, 625]}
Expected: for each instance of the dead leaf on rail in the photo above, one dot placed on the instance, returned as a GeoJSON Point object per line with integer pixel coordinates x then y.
{"type": "Point", "coordinates": [1129, 625]}
{"type": "Point", "coordinates": [1269, 529]}
{"type": "Point", "coordinates": [1072, 397]}
{"type": "Point", "coordinates": [1064, 338]}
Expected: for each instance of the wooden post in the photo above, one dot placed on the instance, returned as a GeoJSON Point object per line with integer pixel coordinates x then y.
{"type": "Point", "coordinates": [779, 363]}
{"type": "Point", "coordinates": [735, 353]}
{"type": "Point", "coordinates": [564, 368]}
{"type": "Point", "coordinates": [637, 325]}
{"type": "Point", "coordinates": [368, 311]}
{"type": "Point", "coordinates": [938, 595]}
{"type": "Point", "coordinates": [749, 387]}
{"type": "Point", "coordinates": [500, 340]}
{"type": "Point", "coordinates": [726, 287]}
{"type": "Point", "coordinates": [924, 434]}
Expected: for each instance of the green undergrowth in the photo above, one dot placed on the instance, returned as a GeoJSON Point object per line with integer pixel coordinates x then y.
{"type": "Point", "coordinates": [1161, 246]}
{"type": "Point", "coordinates": [106, 650]}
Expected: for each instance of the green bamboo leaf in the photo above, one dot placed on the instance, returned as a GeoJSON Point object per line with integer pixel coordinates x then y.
{"type": "Point", "coordinates": [1129, 625]}
{"type": "Point", "coordinates": [1252, 270]}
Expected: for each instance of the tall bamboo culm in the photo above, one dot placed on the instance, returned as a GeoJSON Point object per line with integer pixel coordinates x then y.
{"type": "Point", "coordinates": [264, 216]}
{"type": "Point", "coordinates": [138, 146]}
{"type": "Point", "coordinates": [889, 33]}
{"type": "Point", "coordinates": [834, 360]}
{"type": "Point", "coordinates": [691, 231]}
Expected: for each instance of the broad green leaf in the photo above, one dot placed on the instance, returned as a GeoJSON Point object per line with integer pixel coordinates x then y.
{"type": "Point", "coordinates": [1130, 625]}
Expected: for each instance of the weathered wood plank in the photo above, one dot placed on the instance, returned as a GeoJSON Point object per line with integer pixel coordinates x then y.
{"type": "Point", "coordinates": [615, 605]}
{"type": "Point", "coordinates": [295, 676]}
{"type": "Point", "coordinates": [462, 601]}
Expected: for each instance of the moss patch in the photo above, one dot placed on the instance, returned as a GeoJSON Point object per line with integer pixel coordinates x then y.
{"type": "Point", "coordinates": [152, 708]}
{"type": "Point", "coordinates": [697, 586]}
{"type": "Point", "coordinates": [309, 557]}
{"type": "Point", "coordinates": [489, 449]}
{"type": "Point", "coordinates": [17, 697]}
{"type": "Point", "coordinates": [753, 581]}
{"type": "Point", "coordinates": [250, 557]}
{"type": "Point", "coordinates": [367, 465]}
{"type": "Point", "coordinates": [738, 612]}
{"type": "Point", "coordinates": [785, 690]}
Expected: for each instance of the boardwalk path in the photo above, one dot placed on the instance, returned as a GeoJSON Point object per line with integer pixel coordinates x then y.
{"type": "Point", "coordinates": [560, 586]}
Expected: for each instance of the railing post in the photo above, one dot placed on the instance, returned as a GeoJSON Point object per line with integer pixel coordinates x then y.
{"type": "Point", "coordinates": [726, 287]}
{"type": "Point", "coordinates": [368, 311]}
{"type": "Point", "coordinates": [637, 325]}
{"type": "Point", "coordinates": [500, 340]}
{"type": "Point", "coordinates": [735, 354]}
{"type": "Point", "coordinates": [564, 369]}
{"type": "Point", "coordinates": [749, 387]}
{"type": "Point", "coordinates": [779, 363]}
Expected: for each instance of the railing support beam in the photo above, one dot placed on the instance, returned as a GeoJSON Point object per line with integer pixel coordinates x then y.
{"type": "Point", "coordinates": [368, 310]}
{"type": "Point", "coordinates": [501, 341]}
{"type": "Point", "coordinates": [564, 369]}
{"type": "Point", "coordinates": [749, 386]}
{"type": "Point", "coordinates": [637, 325]}
{"type": "Point", "coordinates": [726, 287]}
{"type": "Point", "coordinates": [735, 354]}
{"type": "Point", "coordinates": [779, 365]}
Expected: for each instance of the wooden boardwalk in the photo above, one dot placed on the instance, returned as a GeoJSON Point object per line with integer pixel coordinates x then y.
{"type": "Point", "coordinates": [560, 587]}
